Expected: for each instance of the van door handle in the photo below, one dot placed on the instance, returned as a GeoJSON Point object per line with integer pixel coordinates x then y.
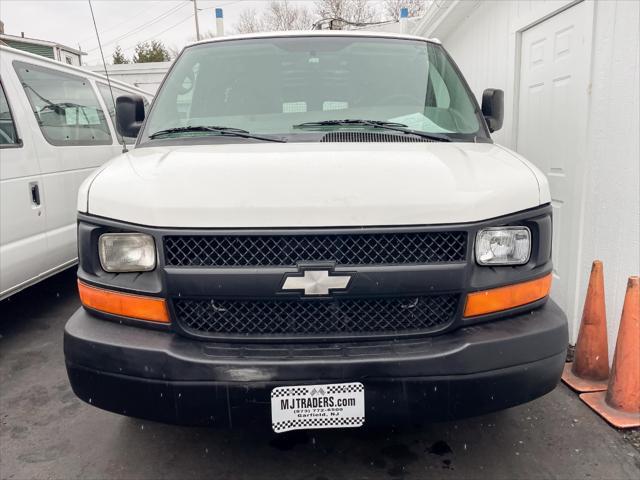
{"type": "Point", "coordinates": [35, 193]}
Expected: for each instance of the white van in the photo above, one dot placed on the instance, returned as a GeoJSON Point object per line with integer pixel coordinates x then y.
{"type": "Point", "coordinates": [53, 133]}
{"type": "Point", "coordinates": [314, 230]}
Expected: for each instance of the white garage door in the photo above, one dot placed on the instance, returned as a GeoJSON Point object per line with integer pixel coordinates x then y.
{"type": "Point", "coordinates": [552, 123]}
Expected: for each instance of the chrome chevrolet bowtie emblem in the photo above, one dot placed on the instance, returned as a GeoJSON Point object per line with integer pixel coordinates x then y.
{"type": "Point", "coordinates": [316, 282]}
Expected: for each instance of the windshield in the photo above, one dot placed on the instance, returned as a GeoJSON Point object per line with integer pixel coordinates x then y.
{"type": "Point", "coordinates": [271, 85]}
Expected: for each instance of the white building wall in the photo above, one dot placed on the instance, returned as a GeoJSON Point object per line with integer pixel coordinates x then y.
{"type": "Point", "coordinates": [611, 230]}
{"type": "Point", "coordinates": [484, 42]}
{"type": "Point", "coordinates": [480, 48]}
{"type": "Point", "coordinates": [147, 76]}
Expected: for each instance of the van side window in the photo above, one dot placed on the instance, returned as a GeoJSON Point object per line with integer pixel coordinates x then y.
{"type": "Point", "coordinates": [8, 133]}
{"type": "Point", "coordinates": [105, 93]}
{"type": "Point", "coordinates": [65, 106]}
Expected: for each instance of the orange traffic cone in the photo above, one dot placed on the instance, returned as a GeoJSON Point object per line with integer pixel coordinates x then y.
{"type": "Point", "coordinates": [590, 367]}
{"type": "Point", "coordinates": [620, 405]}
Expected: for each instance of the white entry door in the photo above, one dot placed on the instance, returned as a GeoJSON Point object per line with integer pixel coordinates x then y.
{"type": "Point", "coordinates": [552, 127]}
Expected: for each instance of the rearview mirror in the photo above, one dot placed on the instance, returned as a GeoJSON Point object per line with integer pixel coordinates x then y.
{"type": "Point", "coordinates": [129, 115]}
{"type": "Point", "coordinates": [493, 108]}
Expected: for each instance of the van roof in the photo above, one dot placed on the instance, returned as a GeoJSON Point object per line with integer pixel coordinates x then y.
{"type": "Point", "coordinates": [63, 66]}
{"type": "Point", "coordinates": [316, 33]}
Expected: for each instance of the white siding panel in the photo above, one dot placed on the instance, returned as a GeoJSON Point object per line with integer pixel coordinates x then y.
{"type": "Point", "coordinates": [611, 229]}
{"type": "Point", "coordinates": [480, 47]}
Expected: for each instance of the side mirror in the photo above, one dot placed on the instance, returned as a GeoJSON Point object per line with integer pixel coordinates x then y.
{"type": "Point", "coordinates": [493, 108]}
{"type": "Point", "coordinates": [129, 115]}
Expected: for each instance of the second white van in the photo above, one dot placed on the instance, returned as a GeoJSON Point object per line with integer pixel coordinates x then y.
{"type": "Point", "coordinates": [56, 127]}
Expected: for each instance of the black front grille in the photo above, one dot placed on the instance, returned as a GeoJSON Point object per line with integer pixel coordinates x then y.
{"type": "Point", "coordinates": [289, 250]}
{"type": "Point", "coordinates": [316, 317]}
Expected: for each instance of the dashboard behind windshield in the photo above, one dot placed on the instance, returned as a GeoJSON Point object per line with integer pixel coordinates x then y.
{"type": "Point", "coordinates": [269, 85]}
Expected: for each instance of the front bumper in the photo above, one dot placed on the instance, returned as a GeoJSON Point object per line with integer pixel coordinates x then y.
{"type": "Point", "coordinates": [165, 377]}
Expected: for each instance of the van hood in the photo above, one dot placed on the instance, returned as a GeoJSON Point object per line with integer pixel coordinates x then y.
{"type": "Point", "coordinates": [313, 185]}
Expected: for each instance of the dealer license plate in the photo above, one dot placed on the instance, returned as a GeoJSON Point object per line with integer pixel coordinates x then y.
{"type": "Point", "coordinates": [302, 407]}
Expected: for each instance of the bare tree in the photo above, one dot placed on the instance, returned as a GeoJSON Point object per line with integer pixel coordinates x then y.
{"type": "Point", "coordinates": [349, 11]}
{"type": "Point", "coordinates": [392, 8]}
{"type": "Point", "coordinates": [249, 22]}
{"type": "Point", "coordinates": [174, 51]}
{"type": "Point", "coordinates": [280, 15]}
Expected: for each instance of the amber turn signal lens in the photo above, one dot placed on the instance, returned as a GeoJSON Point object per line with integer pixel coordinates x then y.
{"type": "Point", "coordinates": [503, 298]}
{"type": "Point", "coordinates": [124, 304]}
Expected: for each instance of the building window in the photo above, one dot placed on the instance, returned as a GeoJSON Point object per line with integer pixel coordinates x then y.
{"type": "Point", "coordinates": [8, 133]}
{"type": "Point", "coordinates": [65, 106]}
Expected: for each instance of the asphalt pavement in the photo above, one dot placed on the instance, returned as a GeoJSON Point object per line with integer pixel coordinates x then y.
{"type": "Point", "coordinates": [46, 432]}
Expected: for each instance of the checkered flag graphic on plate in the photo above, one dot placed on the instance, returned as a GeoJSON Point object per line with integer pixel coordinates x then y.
{"type": "Point", "coordinates": [345, 388]}
{"type": "Point", "coordinates": [317, 423]}
{"type": "Point", "coordinates": [289, 391]}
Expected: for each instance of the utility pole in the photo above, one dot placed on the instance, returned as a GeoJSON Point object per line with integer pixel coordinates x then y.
{"type": "Point", "coordinates": [195, 11]}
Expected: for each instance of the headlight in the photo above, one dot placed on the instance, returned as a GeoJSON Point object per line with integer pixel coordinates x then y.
{"type": "Point", "coordinates": [503, 246]}
{"type": "Point", "coordinates": [127, 252]}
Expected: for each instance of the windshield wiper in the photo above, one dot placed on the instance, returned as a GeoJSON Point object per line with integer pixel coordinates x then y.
{"type": "Point", "coordinates": [228, 131]}
{"type": "Point", "coordinates": [398, 127]}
